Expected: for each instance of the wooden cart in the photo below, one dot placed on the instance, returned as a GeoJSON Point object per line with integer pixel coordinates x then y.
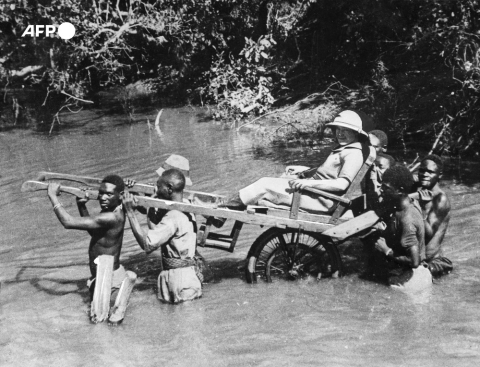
{"type": "Point", "coordinates": [297, 244]}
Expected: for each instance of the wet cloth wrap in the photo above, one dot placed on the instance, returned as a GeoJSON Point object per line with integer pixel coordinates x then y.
{"type": "Point", "coordinates": [411, 280]}
{"type": "Point", "coordinates": [175, 234]}
{"type": "Point", "coordinates": [118, 276]}
{"type": "Point", "coordinates": [343, 162]}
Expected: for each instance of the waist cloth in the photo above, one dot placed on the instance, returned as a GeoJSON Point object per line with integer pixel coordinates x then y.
{"type": "Point", "coordinates": [118, 276]}
{"type": "Point", "coordinates": [173, 263]}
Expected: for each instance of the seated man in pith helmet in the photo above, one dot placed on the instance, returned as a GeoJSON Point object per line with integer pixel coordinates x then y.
{"type": "Point", "coordinates": [335, 175]}
{"type": "Point", "coordinates": [436, 212]}
{"type": "Point", "coordinates": [174, 233]}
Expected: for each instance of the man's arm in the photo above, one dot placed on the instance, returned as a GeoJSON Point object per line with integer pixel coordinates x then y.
{"type": "Point", "coordinates": [409, 241]}
{"type": "Point", "coordinates": [151, 240]}
{"type": "Point", "coordinates": [137, 230]}
{"type": "Point", "coordinates": [438, 214]}
{"type": "Point", "coordinates": [82, 207]}
{"type": "Point", "coordinates": [412, 260]}
{"type": "Point", "coordinates": [129, 183]}
{"type": "Point", "coordinates": [100, 221]}
{"type": "Point", "coordinates": [436, 225]}
{"type": "Point", "coordinates": [334, 185]}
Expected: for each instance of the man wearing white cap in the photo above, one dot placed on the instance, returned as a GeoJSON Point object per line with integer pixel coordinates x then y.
{"type": "Point", "coordinates": [178, 162]}
{"type": "Point", "coordinates": [335, 175]}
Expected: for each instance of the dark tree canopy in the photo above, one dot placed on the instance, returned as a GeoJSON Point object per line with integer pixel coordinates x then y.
{"type": "Point", "coordinates": [412, 65]}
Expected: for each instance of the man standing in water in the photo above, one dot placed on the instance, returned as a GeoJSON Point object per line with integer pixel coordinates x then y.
{"type": "Point", "coordinates": [403, 240]}
{"type": "Point", "coordinates": [175, 233]}
{"type": "Point", "coordinates": [182, 164]}
{"type": "Point", "coordinates": [106, 229]}
{"type": "Point", "coordinates": [436, 213]}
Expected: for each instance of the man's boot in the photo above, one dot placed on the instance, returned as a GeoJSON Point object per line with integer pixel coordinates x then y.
{"type": "Point", "coordinates": [234, 203]}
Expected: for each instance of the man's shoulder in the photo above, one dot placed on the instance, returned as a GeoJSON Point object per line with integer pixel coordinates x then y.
{"type": "Point", "coordinates": [177, 215]}
{"type": "Point", "coordinates": [111, 217]}
{"type": "Point", "coordinates": [412, 216]}
{"type": "Point", "coordinates": [174, 213]}
{"type": "Point", "coordinates": [440, 198]}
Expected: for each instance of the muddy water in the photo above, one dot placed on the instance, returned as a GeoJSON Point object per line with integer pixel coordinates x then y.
{"type": "Point", "coordinates": [338, 322]}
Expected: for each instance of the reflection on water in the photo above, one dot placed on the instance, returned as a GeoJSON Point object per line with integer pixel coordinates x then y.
{"type": "Point", "coordinates": [336, 322]}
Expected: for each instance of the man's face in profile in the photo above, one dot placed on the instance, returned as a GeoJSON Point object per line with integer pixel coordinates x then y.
{"type": "Point", "coordinates": [163, 189]}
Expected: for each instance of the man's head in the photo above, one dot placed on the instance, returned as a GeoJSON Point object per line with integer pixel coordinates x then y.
{"type": "Point", "coordinates": [378, 140]}
{"type": "Point", "coordinates": [178, 162]}
{"type": "Point", "coordinates": [397, 182]}
{"type": "Point", "coordinates": [384, 161]}
{"type": "Point", "coordinates": [170, 183]}
{"type": "Point", "coordinates": [430, 171]}
{"type": "Point", "coordinates": [110, 191]}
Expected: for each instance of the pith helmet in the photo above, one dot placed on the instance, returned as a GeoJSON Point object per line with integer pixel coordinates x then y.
{"type": "Point", "coordinates": [178, 162]}
{"type": "Point", "coordinates": [349, 120]}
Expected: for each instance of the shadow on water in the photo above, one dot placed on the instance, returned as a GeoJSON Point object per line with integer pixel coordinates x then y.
{"type": "Point", "coordinates": [49, 285]}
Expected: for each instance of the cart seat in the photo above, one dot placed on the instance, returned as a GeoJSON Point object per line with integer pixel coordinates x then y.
{"type": "Point", "coordinates": [348, 205]}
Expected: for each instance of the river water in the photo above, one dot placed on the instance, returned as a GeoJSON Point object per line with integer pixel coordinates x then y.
{"type": "Point", "coordinates": [338, 322]}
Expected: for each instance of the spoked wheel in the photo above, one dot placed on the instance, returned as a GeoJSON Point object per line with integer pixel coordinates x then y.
{"type": "Point", "coordinates": [286, 254]}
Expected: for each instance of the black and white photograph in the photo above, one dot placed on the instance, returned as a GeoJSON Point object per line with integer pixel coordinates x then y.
{"type": "Point", "coordinates": [239, 183]}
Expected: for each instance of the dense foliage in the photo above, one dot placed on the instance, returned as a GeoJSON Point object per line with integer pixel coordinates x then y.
{"type": "Point", "coordinates": [412, 65]}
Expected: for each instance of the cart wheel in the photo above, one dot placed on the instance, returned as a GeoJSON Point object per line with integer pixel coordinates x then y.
{"type": "Point", "coordinates": [278, 254]}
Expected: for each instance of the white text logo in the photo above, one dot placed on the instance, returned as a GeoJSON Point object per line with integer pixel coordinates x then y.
{"type": "Point", "coordinates": [65, 30]}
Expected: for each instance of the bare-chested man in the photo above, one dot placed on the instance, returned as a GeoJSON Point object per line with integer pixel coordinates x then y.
{"type": "Point", "coordinates": [436, 213]}
{"type": "Point", "coordinates": [106, 229]}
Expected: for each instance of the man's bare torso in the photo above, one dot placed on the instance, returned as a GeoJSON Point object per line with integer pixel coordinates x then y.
{"type": "Point", "coordinates": [107, 241]}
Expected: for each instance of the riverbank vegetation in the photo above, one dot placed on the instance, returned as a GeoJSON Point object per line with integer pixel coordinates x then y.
{"type": "Point", "coordinates": [413, 66]}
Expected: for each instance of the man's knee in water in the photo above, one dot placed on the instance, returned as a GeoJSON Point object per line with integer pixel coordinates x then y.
{"type": "Point", "coordinates": [120, 297]}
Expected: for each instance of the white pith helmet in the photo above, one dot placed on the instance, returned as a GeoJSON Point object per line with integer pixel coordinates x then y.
{"type": "Point", "coordinates": [349, 120]}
